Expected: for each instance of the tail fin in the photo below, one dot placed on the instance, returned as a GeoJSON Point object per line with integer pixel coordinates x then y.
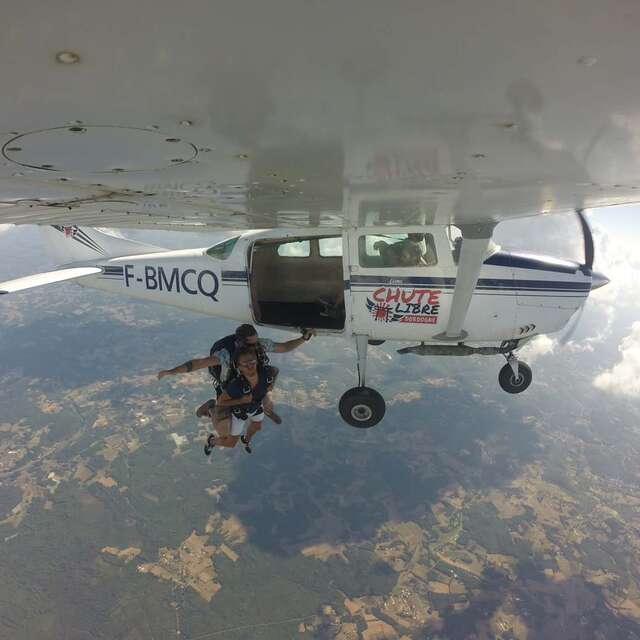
{"type": "Point", "coordinates": [78, 244]}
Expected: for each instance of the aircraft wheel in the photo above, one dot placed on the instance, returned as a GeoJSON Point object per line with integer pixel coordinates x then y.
{"type": "Point", "coordinates": [512, 384]}
{"type": "Point", "coordinates": [362, 407]}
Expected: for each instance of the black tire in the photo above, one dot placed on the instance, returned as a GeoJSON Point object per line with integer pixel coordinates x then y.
{"type": "Point", "coordinates": [510, 383]}
{"type": "Point", "coordinates": [362, 407]}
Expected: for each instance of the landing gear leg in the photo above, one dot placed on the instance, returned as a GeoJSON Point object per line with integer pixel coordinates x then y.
{"type": "Point", "coordinates": [362, 343]}
{"type": "Point", "coordinates": [515, 376]}
{"type": "Point", "coordinates": [362, 407]}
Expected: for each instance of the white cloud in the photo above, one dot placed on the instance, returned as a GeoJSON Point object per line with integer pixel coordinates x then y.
{"type": "Point", "coordinates": [539, 346]}
{"type": "Point", "coordinates": [620, 262]}
{"type": "Point", "coordinates": [5, 227]}
{"type": "Point", "coordinates": [624, 377]}
{"type": "Point", "coordinates": [617, 259]}
{"type": "Point", "coordinates": [581, 342]}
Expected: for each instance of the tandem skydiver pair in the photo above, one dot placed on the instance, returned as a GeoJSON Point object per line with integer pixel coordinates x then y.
{"type": "Point", "coordinates": [242, 379]}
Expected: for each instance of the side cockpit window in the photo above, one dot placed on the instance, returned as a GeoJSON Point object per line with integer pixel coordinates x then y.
{"type": "Point", "coordinates": [222, 250]}
{"type": "Point", "coordinates": [454, 235]}
{"type": "Point", "coordinates": [397, 250]}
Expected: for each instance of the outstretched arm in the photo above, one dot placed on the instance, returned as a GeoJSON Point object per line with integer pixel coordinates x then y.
{"type": "Point", "coordinates": [189, 365]}
{"type": "Point", "coordinates": [290, 345]}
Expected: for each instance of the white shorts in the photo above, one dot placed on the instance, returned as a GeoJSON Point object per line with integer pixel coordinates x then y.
{"type": "Point", "coordinates": [238, 426]}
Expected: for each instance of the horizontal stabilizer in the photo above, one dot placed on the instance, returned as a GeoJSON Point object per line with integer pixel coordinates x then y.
{"type": "Point", "coordinates": [49, 277]}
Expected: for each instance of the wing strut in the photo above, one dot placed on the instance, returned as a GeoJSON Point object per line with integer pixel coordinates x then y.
{"type": "Point", "coordinates": [475, 242]}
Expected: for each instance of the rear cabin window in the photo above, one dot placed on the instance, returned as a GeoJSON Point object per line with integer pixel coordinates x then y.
{"type": "Point", "coordinates": [297, 249]}
{"type": "Point", "coordinates": [397, 250]}
{"type": "Point", "coordinates": [222, 250]}
{"type": "Point", "coordinates": [330, 247]}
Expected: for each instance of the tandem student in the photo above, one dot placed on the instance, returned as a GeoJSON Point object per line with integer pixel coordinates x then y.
{"type": "Point", "coordinates": [244, 395]}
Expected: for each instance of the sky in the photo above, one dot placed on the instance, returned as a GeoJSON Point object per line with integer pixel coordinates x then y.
{"type": "Point", "coordinates": [609, 327]}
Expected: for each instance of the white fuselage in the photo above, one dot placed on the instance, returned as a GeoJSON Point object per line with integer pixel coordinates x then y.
{"type": "Point", "coordinates": [516, 296]}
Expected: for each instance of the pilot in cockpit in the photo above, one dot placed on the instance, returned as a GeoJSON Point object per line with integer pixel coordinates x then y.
{"type": "Point", "coordinates": [415, 250]}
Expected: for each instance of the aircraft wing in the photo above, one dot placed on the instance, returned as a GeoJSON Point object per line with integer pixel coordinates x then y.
{"type": "Point", "coordinates": [249, 114]}
{"type": "Point", "coordinates": [49, 277]}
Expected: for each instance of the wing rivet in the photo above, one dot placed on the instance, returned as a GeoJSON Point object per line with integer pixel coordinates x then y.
{"type": "Point", "coordinates": [587, 61]}
{"type": "Point", "coordinates": [77, 129]}
{"type": "Point", "coordinates": [172, 139]}
{"type": "Point", "coordinates": [67, 57]}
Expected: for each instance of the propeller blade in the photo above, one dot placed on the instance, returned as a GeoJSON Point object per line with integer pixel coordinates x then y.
{"type": "Point", "coordinates": [587, 238]}
{"type": "Point", "coordinates": [571, 329]}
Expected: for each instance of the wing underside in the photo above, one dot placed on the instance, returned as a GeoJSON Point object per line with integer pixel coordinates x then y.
{"type": "Point", "coordinates": [446, 112]}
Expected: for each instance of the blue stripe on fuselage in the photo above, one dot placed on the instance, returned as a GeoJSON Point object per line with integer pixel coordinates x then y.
{"type": "Point", "coordinates": [234, 276]}
{"type": "Point", "coordinates": [483, 283]}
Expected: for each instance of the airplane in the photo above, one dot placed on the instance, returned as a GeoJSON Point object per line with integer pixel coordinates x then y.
{"type": "Point", "coordinates": [335, 144]}
{"type": "Point", "coordinates": [372, 283]}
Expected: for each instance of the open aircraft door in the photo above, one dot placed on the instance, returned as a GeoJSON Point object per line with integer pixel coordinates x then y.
{"type": "Point", "coordinates": [297, 280]}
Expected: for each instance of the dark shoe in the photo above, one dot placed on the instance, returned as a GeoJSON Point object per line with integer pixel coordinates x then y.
{"type": "Point", "coordinates": [208, 448]}
{"type": "Point", "coordinates": [325, 303]}
{"type": "Point", "coordinates": [329, 308]}
{"type": "Point", "coordinates": [206, 409]}
{"type": "Point", "coordinates": [272, 415]}
{"type": "Point", "coordinates": [245, 442]}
